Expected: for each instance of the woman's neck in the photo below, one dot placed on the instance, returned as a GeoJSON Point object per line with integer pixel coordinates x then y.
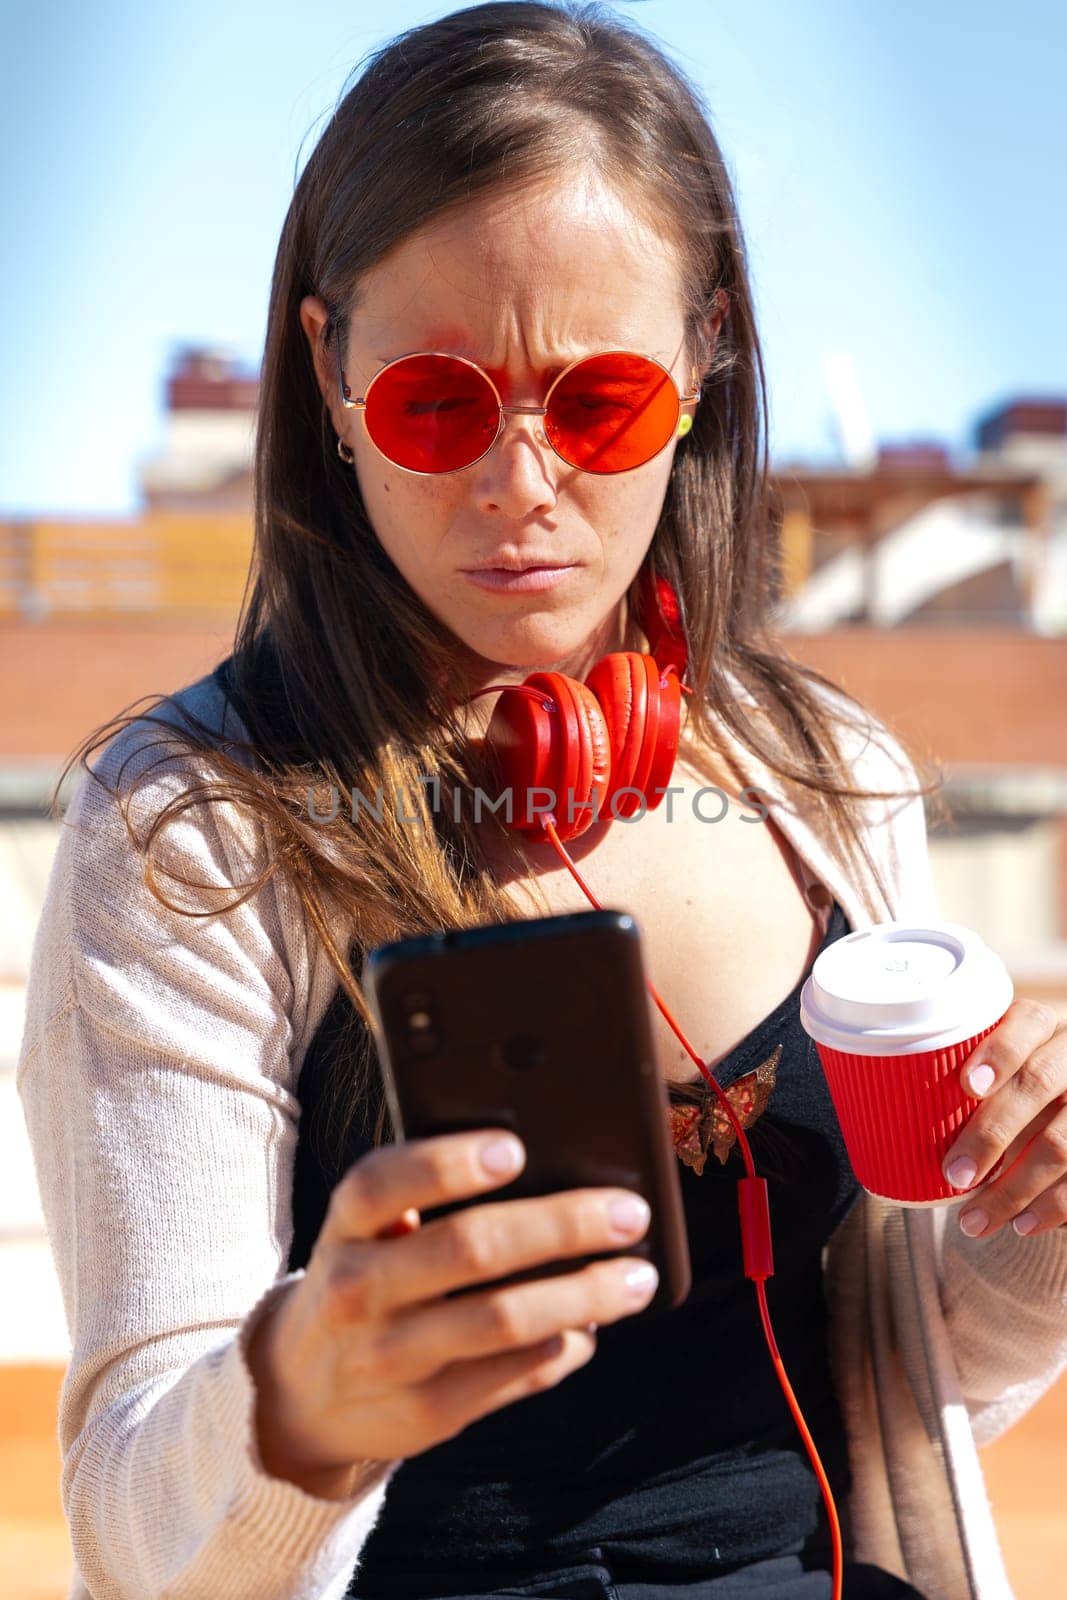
{"type": "Point", "coordinates": [617, 633]}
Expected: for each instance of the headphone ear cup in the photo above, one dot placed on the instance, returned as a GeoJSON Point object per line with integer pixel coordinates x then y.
{"type": "Point", "coordinates": [668, 694]}
{"type": "Point", "coordinates": [661, 729]}
{"type": "Point", "coordinates": [620, 684]}
{"type": "Point", "coordinates": [642, 711]}
{"type": "Point", "coordinates": [535, 741]}
{"type": "Point", "coordinates": [519, 741]}
{"type": "Point", "coordinates": [649, 735]}
{"type": "Point", "coordinates": [573, 763]}
{"type": "Point", "coordinates": [594, 779]}
{"type": "Point", "coordinates": [566, 745]}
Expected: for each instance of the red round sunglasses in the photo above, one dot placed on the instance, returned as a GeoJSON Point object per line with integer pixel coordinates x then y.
{"type": "Point", "coordinates": [429, 413]}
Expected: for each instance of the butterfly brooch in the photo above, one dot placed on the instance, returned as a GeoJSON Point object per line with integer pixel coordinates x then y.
{"type": "Point", "coordinates": [700, 1125]}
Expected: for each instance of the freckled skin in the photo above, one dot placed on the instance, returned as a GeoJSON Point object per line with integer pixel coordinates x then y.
{"type": "Point", "coordinates": [523, 284]}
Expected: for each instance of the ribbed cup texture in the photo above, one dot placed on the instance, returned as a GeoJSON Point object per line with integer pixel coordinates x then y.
{"type": "Point", "coordinates": [900, 1115]}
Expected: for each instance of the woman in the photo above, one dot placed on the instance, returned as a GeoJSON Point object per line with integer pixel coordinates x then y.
{"type": "Point", "coordinates": [268, 1394]}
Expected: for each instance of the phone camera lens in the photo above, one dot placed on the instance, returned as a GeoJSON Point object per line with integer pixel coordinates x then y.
{"type": "Point", "coordinates": [523, 1052]}
{"type": "Point", "coordinates": [418, 999]}
{"type": "Point", "coordinates": [419, 1021]}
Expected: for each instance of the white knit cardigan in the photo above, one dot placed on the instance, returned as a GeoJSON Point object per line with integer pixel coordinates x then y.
{"type": "Point", "coordinates": [158, 1075]}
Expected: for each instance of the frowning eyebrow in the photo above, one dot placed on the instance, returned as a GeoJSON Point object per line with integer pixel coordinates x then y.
{"type": "Point", "coordinates": [494, 372]}
{"type": "Point", "coordinates": [497, 373]}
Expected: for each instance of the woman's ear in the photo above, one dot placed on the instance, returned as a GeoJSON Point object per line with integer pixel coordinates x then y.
{"type": "Point", "coordinates": [720, 301]}
{"type": "Point", "coordinates": [314, 318]}
{"type": "Point", "coordinates": [713, 323]}
{"type": "Point", "coordinates": [710, 327]}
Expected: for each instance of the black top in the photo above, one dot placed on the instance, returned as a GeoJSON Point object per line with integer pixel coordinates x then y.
{"type": "Point", "coordinates": [672, 1451]}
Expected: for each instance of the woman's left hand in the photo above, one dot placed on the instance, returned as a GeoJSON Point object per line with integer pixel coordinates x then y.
{"type": "Point", "coordinates": [1024, 1109]}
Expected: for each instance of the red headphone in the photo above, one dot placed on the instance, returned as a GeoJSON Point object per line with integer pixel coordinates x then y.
{"type": "Point", "coordinates": [607, 745]}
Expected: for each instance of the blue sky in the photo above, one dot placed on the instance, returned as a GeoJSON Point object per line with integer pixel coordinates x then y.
{"type": "Point", "coordinates": [900, 170]}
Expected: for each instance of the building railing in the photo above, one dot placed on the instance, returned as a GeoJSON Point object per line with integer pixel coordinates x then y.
{"type": "Point", "coordinates": [168, 563]}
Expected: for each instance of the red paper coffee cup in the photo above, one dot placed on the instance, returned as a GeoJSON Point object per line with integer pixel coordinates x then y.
{"type": "Point", "coordinates": [895, 1010]}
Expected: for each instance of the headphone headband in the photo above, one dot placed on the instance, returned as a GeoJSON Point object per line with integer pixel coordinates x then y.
{"type": "Point", "coordinates": [659, 616]}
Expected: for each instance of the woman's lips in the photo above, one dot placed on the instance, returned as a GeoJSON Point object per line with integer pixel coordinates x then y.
{"type": "Point", "coordinates": [532, 581]}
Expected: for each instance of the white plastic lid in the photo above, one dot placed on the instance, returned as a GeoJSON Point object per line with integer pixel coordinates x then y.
{"type": "Point", "coordinates": [900, 987]}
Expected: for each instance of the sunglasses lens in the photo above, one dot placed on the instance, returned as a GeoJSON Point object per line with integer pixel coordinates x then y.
{"type": "Point", "coordinates": [612, 412]}
{"type": "Point", "coordinates": [431, 413]}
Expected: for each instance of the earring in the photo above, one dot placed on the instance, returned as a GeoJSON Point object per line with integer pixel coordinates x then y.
{"type": "Point", "coordinates": [345, 452]}
{"type": "Point", "coordinates": [684, 426]}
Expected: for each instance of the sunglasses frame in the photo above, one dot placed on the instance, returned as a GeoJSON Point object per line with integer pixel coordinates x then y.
{"type": "Point", "coordinates": [526, 411]}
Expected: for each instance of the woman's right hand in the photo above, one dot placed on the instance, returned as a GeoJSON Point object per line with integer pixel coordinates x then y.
{"type": "Point", "coordinates": [364, 1360]}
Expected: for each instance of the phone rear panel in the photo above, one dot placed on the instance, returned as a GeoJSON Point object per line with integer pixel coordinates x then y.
{"type": "Point", "coordinates": [543, 1027]}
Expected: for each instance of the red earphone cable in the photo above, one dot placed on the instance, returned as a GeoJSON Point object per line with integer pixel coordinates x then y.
{"type": "Point", "coordinates": [755, 1233]}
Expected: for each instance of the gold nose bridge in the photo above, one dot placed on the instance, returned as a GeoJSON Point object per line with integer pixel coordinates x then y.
{"type": "Point", "coordinates": [521, 411]}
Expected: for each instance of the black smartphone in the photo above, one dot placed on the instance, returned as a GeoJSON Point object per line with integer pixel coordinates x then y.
{"type": "Point", "coordinates": [541, 1027]}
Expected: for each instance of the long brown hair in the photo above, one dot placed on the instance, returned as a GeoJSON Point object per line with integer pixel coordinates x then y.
{"type": "Point", "coordinates": [488, 95]}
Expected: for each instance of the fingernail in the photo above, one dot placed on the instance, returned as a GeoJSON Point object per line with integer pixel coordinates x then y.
{"type": "Point", "coordinates": [972, 1222]}
{"type": "Point", "coordinates": [1026, 1223]}
{"type": "Point", "coordinates": [981, 1079]}
{"type": "Point", "coordinates": [501, 1155]}
{"type": "Point", "coordinates": [961, 1173]}
{"type": "Point", "coordinates": [642, 1280]}
{"type": "Point", "coordinates": [629, 1215]}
